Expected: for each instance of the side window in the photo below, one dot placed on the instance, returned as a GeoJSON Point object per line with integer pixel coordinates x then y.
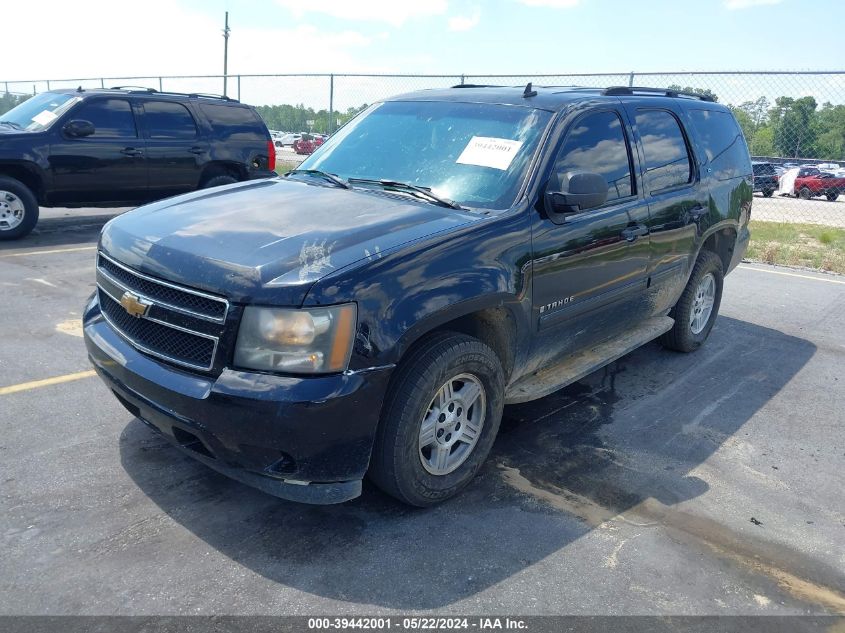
{"type": "Point", "coordinates": [724, 145]}
{"type": "Point", "coordinates": [169, 120]}
{"type": "Point", "coordinates": [234, 123]}
{"type": "Point", "coordinates": [596, 143]}
{"type": "Point", "coordinates": [112, 118]}
{"type": "Point", "coordinates": [667, 160]}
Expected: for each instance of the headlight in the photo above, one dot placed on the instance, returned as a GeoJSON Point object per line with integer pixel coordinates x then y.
{"type": "Point", "coordinates": [296, 341]}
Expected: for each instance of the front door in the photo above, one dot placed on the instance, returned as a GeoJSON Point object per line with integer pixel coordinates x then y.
{"type": "Point", "coordinates": [590, 268]}
{"type": "Point", "coordinates": [107, 166]}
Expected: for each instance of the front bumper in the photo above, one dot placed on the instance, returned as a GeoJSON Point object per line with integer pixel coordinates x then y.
{"type": "Point", "coordinates": [305, 439]}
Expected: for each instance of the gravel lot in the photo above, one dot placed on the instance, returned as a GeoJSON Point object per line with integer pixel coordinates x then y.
{"type": "Point", "coordinates": [708, 483]}
{"type": "Point", "coordinates": [787, 209]}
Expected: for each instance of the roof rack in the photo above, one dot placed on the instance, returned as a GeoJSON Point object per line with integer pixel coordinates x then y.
{"type": "Point", "coordinates": [630, 90]}
{"type": "Point", "coordinates": [193, 95]}
{"type": "Point", "coordinates": [476, 86]}
{"type": "Point", "coordinates": [134, 88]}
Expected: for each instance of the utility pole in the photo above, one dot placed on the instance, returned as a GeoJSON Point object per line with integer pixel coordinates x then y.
{"type": "Point", "coordinates": [226, 53]}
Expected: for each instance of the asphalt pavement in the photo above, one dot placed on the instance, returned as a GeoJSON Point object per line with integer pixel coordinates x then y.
{"type": "Point", "coordinates": [664, 484]}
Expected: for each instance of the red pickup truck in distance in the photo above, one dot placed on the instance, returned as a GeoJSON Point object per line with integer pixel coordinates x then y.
{"type": "Point", "coordinates": [821, 184]}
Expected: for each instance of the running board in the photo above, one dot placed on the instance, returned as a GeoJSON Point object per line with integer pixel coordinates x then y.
{"type": "Point", "coordinates": [573, 368]}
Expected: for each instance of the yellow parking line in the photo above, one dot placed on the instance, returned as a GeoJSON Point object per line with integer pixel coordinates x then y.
{"type": "Point", "coordinates": [35, 384]}
{"type": "Point", "coordinates": [780, 272]}
{"type": "Point", "coordinates": [50, 252]}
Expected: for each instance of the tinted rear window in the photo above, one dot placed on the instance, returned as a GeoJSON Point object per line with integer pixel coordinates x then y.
{"type": "Point", "coordinates": [763, 170]}
{"type": "Point", "coordinates": [169, 120]}
{"type": "Point", "coordinates": [723, 144]}
{"type": "Point", "coordinates": [233, 123]}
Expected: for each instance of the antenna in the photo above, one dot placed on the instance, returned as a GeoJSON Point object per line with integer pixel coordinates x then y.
{"type": "Point", "coordinates": [529, 92]}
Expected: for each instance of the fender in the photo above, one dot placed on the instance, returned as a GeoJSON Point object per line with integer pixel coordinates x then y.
{"type": "Point", "coordinates": [405, 294]}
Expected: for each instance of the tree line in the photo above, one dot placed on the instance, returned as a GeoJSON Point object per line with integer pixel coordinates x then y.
{"type": "Point", "coordinates": [790, 128]}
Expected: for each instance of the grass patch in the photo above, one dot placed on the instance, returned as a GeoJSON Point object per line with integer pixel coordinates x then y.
{"type": "Point", "coordinates": [808, 245]}
{"type": "Point", "coordinates": [284, 166]}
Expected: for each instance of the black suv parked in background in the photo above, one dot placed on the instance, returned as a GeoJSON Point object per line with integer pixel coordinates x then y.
{"type": "Point", "coordinates": [122, 147]}
{"type": "Point", "coordinates": [765, 178]}
{"type": "Point", "coordinates": [443, 254]}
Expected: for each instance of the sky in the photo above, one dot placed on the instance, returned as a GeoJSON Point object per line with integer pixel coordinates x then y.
{"type": "Point", "coordinates": [92, 38]}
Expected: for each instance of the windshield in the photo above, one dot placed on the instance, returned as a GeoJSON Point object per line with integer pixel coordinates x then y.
{"type": "Point", "coordinates": [37, 113]}
{"type": "Point", "coordinates": [473, 153]}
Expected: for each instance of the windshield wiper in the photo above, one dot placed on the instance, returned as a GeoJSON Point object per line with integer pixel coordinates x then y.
{"type": "Point", "coordinates": [423, 192]}
{"type": "Point", "coordinates": [340, 182]}
{"type": "Point", "coordinates": [11, 124]}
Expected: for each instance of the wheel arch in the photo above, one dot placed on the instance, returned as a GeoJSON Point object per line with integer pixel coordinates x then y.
{"type": "Point", "coordinates": [223, 168]}
{"type": "Point", "coordinates": [721, 241]}
{"type": "Point", "coordinates": [27, 173]}
{"type": "Point", "coordinates": [493, 321]}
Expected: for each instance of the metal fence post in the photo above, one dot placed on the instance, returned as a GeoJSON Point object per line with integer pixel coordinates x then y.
{"type": "Point", "coordinates": [7, 87]}
{"type": "Point", "coordinates": [102, 82]}
{"type": "Point", "coordinates": [462, 80]}
{"type": "Point", "coordinates": [48, 84]}
{"type": "Point", "coordinates": [160, 85]}
{"type": "Point", "coordinates": [330, 129]}
{"type": "Point", "coordinates": [239, 87]}
{"type": "Point", "coordinates": [631, 79]}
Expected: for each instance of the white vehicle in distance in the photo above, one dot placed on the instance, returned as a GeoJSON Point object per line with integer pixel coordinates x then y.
{"type": "Point", "coordinates": [287, 140]}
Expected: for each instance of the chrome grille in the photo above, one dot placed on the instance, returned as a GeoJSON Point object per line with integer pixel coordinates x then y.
{"type": "Point", "coordinates": [181, 325]}
{"type": "Point", "coordinates": [164, 293]}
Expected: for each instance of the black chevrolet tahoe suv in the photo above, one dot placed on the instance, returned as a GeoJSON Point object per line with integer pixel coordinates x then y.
{"type": "Point", "coordinates": [766, 179]}
{"type": "Point", "coordinates": [445, 253]}
{"type": "Point", "coordinates": [121, 147]}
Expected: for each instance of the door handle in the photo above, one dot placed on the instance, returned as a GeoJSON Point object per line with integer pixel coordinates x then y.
{"type": "Point", "coordinates": [131, 151]}
{"type": "Point", "coordinates": [633, 232]}
{"type": "Point", "coordinates": [196, 150]}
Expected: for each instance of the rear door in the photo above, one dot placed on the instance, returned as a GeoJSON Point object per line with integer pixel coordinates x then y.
{"type": "Point", "coordinates": [590, 269]}
{"type": "Point", "coordinates": [677, 200]}
{"type": "Point", "coordinates": [239, 135]}
{"type": "Point", "coordinates": [109, 165]}
{"type": "Point", "coordinates": [176, 149]}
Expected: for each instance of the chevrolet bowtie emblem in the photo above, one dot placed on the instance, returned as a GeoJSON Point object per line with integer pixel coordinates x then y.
{"type": "Point", "coordinates": [134, 305]}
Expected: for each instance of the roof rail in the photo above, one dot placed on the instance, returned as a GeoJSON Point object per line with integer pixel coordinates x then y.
{"type": "Point", "coordinates": [134, 88]}
{"type": "Point", "coordinates": [208, 95]}
{"type": "Point", "coordinates": [630, 90]}
{"type": "Point", "coordinates": [476, 86]}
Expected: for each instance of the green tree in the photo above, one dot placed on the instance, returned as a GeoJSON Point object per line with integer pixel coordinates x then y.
{"type": "Point", "coordinates": [795, 127]}
{"type": "Point", "coordinates": [701, 91]}
{"type": "Point", "coordinates": [9, 101]}
{"type": "Point", "coordinates": [763, 143]}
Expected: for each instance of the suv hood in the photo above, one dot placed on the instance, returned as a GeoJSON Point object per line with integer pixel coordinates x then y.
{"type": "Point", "coordinates": [268, 240]}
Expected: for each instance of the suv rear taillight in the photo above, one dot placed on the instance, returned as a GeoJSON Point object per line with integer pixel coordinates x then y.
{"type": "Point", "coordinates": [271, 155]}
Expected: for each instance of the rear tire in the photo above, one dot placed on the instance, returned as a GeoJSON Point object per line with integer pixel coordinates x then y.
{"type": "Point", "coordinates": [804, 194]}
{"type": "Point", "coordinates": [832, 195]}
{"type": "Point", "coordinates": [698, 305]}
{"type": "Point", "coordinates": [18, 209]}
{"type": "Point", "coordinates": [431, 440]}
{"type": "Point", "coordinates": [767, 193]}
{"type": "Point", "coordinates": [219, 181]}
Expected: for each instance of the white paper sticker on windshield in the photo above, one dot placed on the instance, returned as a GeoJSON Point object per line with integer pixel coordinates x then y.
{"type": "Point", "coordinates": [45, 117]}
{"type": "Point", "coordinates": [486, 151]}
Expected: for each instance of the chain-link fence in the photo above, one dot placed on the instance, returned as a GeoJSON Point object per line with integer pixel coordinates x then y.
{"type": "Point", "coordinates": [794, 122]}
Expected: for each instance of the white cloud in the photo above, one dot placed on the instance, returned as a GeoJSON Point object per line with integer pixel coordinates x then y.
{"type": "Point", "coordinates": [187, 42]}
{"type": "Point", "coordinates": [465, 22]}
{"type": "Point", "coordinates": [394, 12]}
{"type": "Point", "coordinates": [746, 4]}
{"type": "Point", "coordinates": [554, 4]}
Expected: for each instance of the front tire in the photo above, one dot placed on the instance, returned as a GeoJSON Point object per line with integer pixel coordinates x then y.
{"type": "Point", "coordinates": [804, 194]}
{"type": "Point", "coordinates": [18, 209]}
{"type": "Point", "coordinates": [439, 420]}
{"type": "Point", "coordinates": [832, 195]}
{"type": "Point", "coordinates": [698, 306]}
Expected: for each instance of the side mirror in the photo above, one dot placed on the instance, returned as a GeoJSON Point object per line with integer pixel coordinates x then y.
{"type": "Point", "coordinates": [77, 128]}
{"type": "Point", "coordinates": [580, 191]}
